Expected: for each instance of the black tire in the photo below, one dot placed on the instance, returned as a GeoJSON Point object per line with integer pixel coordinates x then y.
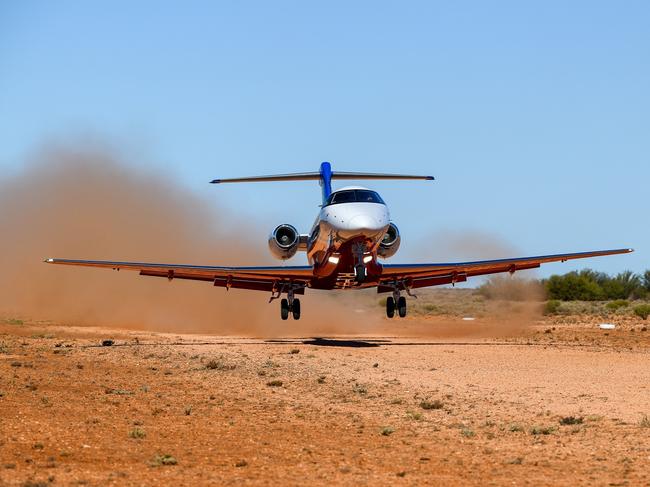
{"type": "Point", "coordinates": [361, 273]}
{"type": "Point", "coordinates": [390, 307]}
{"type": "Point", "coordinates": [401, 306]}
{"type": "Point", "coordinates": [284, 309]}
{"type": "Point", "coordinates": [295, 309]}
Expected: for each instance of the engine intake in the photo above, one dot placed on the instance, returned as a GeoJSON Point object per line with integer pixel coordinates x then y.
{"type": "Point", "coordinates": [390, 243]}
{"type": "Point", "coordinates": [284, 241]}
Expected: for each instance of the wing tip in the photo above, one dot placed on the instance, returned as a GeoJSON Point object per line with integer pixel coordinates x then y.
{"type": "Point", "coordinates": [49, 260]}
{"type": "Point", "coordinates": [215, 181]}
{"type": "Point", "coordinates": [429, 178]}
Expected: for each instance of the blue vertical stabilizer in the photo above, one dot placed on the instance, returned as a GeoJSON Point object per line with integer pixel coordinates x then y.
{"type": "Point", "coordinates": [326, 180]}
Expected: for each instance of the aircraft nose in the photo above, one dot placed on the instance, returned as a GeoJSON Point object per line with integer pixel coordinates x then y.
{"type": "Point", "coordinates": [366, 222]}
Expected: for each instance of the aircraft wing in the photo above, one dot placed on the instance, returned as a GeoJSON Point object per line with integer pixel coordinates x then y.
{"type": "Point", "coordinates": [423, 275]}
{"type": "Point", "coordinates": [254, 278]}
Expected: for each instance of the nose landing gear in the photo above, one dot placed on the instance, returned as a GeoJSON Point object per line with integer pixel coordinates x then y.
{"type": "Point", "coordinates": [360, 273]}
{"type": "Point", "coordinates": [396, 302]}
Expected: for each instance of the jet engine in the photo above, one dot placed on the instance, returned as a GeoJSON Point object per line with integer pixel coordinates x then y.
{"type": "Point", "coordinates": [284, 241]}
{"type": "Point", "coordinates": [390, 243]}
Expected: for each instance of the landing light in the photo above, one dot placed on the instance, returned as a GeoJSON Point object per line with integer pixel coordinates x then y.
{"type": "Point", "coordinates": [333, 259]}
{"type": "Point", "coordinates": [367, 259]}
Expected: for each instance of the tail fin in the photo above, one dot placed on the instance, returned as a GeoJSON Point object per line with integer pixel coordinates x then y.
{"type": "Point", "coordinates": [324, 176]}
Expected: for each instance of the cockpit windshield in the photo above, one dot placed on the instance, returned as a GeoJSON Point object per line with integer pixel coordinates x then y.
{"type": "Point", "coordinates": [354, 196]}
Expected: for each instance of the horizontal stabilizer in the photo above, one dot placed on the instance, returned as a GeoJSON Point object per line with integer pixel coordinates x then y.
{"type": "Point", "coordinates": [298, 176]}
{"type": "Point", "coordinates": [315, 176]}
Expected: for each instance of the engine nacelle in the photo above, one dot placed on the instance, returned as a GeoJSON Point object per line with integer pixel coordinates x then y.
{"type": "Point", "coordinates": [284, 241]}
{"type": "Point", "coordinates": [390, 243]}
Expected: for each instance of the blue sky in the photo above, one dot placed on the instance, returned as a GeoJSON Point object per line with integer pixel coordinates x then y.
{"type": "Point", "coordinates": [533, 116]}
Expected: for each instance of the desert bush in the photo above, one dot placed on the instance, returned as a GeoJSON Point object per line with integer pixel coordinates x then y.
{"type": "Point", "coordinates": [542, 430]}
{"type": "Point", "coordinates": [567, 420]}
{"type": "Point", "coordinates": [160, 460]}
{"type": "Point", "coordinates": [436, 404]}
{"type": "Point", "coordinates": [414, 415]}
{"type": "Point", "coordinates": [642, 311]}
{"type": "Point", "coordinates": [574, 287]}
{"type": "Point", "coordinates": [137, 433]}
{"type": "Point", "coordinates": [552, 307]}
{"type": "Point", "coordinates": [218, 364]}
{"type": "Point", "coordinates": [274, 383]}
{"type": "Point", "coordinates": [589, 285]}
{"type": "Point", "coordinates": [617, 304]}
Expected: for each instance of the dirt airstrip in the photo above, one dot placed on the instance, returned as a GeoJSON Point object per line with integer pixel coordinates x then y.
{"type": "Point", "coordinates": [561, 403]}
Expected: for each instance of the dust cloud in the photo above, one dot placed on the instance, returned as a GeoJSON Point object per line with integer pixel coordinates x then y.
{"type": "Point", "coordinates": [92, 203]}
{"type": "Point", "coordinates": [511, 303]}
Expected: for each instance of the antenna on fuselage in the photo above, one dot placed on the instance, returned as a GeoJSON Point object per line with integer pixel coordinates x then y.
{"type": "Point", "coordinates": [324, 176]}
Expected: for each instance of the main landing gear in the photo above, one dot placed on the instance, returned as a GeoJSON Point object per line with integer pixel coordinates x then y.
{"type": "Point", "coordinates": [396, 303]}
{"type": "Point", "coordinates": [290, 305]}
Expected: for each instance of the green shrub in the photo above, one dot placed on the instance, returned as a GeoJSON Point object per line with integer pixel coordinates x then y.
{"type": "Point", "coordinates": [137, 433]}
{"type": "Point", "coordinates": [616, 305]}
{"type": "Point", "coordinates": [589, 285]}
{"type": "Point", "coordinates": [574, 287]}
{"type": "Point", "coordinates": [552, 307]}
{"type": "Point", "coordinates": [642, 311]}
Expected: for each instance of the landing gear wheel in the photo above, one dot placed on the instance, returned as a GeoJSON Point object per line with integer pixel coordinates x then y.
{"type": "Point", "coordinates": [284, 309]}
{"type": "Point", "coordinates": [401, 306]}
{"type": "Point", "coordinates": [360, 273]}
{"type": "Point", "coordinates": [295, 309]}
{"type": "Point", "coordinates": [390, 307]}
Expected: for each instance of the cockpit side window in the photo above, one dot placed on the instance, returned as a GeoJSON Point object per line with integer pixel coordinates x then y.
{"type": "Point", "coordinates": [343, 197]}
{"type": "Point", "coordinates": [354, 196]}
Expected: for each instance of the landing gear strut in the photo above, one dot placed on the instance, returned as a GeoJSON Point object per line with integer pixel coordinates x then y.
{"type": "Point", "coordinates": [396, 302]}
{"type": "Point", "coordinates": [360, 273]}
{"type": "Point", "coordinates": [290, 305]}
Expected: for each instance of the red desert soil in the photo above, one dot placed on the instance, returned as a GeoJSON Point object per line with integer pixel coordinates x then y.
{"type": "Point", "coordinates": [372, 410]}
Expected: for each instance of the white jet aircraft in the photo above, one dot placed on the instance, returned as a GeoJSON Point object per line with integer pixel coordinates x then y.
{"type": "Point", "coordinates": [351, 233]}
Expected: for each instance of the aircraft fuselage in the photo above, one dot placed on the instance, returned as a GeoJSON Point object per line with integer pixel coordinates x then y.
{"type": "Point", "coordinates": [347, 235]}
